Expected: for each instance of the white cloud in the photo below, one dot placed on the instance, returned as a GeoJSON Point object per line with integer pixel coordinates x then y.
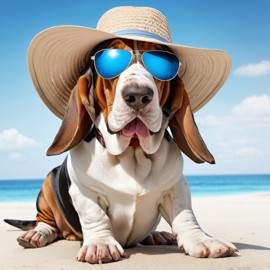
{"type": "Point", "coordinates": [213, 121]}
{"type": "Point", "coordinates": [232, 143]}
{"type": "Point", "coordinates": [252, 112]}
{"type": "Point", "coordinates": [230, 148]}
{"type": "Point", "coordinates": [208, 121]}
{"type": "Point", "coordinates": [17, 157]}
{"type": "Point", "coordinates": [11, 139]}
{"type": "Point", "coordinates": [243, 134]}
{"type": "Point", "coordinates": [248, 152]}
{"type": "Point", "coordinates": [253, 70]}
{"type": "Point", "coordinates": [253, 106]}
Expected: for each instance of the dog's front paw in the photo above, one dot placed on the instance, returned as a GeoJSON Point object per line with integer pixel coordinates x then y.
{"type": "Point", "coordinates": [42, 235]}
{"type": "Point", "coordinates": [210, 248]}
{"type": "Point", "coordinates": [101, 252]}
{"type": "Point", "coordinates": [31, 239]}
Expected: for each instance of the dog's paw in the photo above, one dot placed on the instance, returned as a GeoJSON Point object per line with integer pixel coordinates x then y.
{"type": "Point", "coordinates": [210, 248]}
{"type": "Point", "coordinates": [42, 235]}
{"type": "Point", "coordinates": [105, 252]}
{"type": "Point", "coordinates": [159, 238]}
{"type": "Point", "coordinates": [33, 239]}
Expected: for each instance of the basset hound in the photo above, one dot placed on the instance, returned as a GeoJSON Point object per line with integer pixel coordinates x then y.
{"type": "Point", "coordinates": [124, 169]}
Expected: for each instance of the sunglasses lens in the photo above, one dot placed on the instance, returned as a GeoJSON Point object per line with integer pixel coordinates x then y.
{"type": "Point", "coordinates": [110, 63]}
{"type": "Point", "coordinates": [162, 65]}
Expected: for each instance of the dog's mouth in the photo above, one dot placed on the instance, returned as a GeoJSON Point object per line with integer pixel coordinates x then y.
{"type": "Point", "coordinates": [136, 128]}
{"type": "Point", "coordinates": [136, 131]}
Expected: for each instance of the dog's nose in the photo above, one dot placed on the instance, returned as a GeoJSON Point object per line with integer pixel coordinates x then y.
{"type": "Point", "coordinates": [137, 97]}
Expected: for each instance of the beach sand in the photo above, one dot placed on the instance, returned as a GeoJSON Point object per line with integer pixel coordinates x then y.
{"type": "Point", "coordinates": [244, 220]}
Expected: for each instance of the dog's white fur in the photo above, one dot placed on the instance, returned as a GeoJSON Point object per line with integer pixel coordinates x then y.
{"type": "Point", "coordinates": [121, 114]}
{"type": "Point", "coordinates": [120, 192]}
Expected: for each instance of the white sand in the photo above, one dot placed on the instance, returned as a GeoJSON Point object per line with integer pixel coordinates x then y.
{"type": "Point", "coordinates": [244, 220]}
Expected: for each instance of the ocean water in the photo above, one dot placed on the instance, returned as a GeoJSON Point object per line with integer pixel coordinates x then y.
{"type": "Point", "coordinates": [204, 185]}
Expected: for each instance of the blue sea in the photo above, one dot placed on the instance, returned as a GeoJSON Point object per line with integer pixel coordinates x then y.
{"type": "Point", "coordinates": [205, 185]}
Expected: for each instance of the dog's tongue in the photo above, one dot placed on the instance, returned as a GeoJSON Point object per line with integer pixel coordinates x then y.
{"type": "Point", "coordinates": [136, 127]}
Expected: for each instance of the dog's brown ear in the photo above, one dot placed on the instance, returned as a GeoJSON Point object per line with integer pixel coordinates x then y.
{"type": "Point", "coordinates": [183, 127]}
{"type": "Point", "coordinates": [78, 118]}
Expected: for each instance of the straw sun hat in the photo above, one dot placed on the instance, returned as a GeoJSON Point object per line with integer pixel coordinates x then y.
{"type": "Point", "coordinates": [57, 56]}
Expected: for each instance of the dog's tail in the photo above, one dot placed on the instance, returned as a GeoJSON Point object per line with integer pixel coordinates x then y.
{"type": "Point", "coordinates": [24, 225]}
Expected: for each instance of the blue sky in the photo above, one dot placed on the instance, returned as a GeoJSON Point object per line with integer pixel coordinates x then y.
{"type": "Point", "coordinates": [235, 124]}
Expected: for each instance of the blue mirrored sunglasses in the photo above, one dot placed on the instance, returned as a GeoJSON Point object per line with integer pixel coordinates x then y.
{"type": "Point", "coordinates": [110, 63]}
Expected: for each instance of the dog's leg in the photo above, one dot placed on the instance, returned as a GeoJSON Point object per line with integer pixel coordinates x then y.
{"type": "Point", "coordinates": [50, 222]}
{"type": "Point", "coordinates": [45, 230]}
{"type": "Point", "coordinates": [99, 244]}
{"type": "Point", "coordinates": [42, 235]}
{"type": "Point", "coordinates": [176, 209]}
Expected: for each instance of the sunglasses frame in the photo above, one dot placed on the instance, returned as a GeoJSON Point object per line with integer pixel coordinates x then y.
{"type": "Point", "coordinates": [132, 55]}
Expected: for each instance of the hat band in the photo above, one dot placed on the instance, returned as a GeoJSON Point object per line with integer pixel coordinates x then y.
{"type": "Point", "coordinates": [140, 33]}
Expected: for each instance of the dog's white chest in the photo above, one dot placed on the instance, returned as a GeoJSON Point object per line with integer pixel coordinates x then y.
{"type": "Point", "coordinates": [128, 186]}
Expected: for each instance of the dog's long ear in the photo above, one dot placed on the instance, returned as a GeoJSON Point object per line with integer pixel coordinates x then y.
{"type": "Point", "coordinates": [78, 118]}
{"type": "Point", "coordinates": [183, 126]}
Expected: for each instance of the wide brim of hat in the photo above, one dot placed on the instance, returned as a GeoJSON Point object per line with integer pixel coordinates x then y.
{"type": "Point", "coordinates": [58, 56]}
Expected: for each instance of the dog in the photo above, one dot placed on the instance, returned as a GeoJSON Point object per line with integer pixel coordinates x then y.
{"type": "Point", "coordinates": [124, 169]}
